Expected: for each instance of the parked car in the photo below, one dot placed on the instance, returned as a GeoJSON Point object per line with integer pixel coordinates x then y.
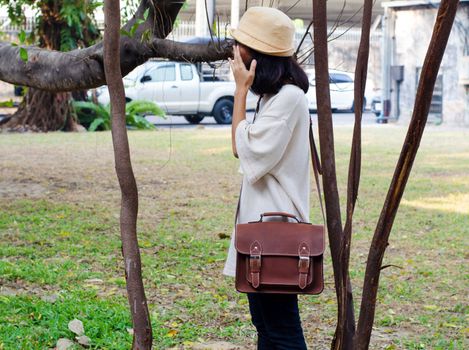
{"type": "Point", "coordinates": [376, 102]}
{"type": "Point", "coordinates": [341, 90]}
{"type": "Point", "coordinates": [180, 89]}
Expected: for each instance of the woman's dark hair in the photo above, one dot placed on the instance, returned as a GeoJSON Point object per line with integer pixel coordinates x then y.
{"type": "Point", "coordinates": [272, 72]}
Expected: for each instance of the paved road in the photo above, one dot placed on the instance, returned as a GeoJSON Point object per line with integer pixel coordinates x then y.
{"type": "Point", "coordinates": [343, 119]}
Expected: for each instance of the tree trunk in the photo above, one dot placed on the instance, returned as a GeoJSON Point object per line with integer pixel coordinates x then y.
{"type": "Point", "coordinates": [142, 339]}
{"type": "Point", "coordinates": [43, 111]}
{"type": "Point", "coordinates": [346, 319]}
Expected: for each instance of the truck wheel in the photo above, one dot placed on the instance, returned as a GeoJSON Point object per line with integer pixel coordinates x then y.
{"type": "Point", "coordinates": [223, 111]}
{"type": "Point", "coordinates": [193, 119]}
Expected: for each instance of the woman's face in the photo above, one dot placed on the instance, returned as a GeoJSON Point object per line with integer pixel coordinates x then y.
{"type": "Point", "coordinates": [245, 54]}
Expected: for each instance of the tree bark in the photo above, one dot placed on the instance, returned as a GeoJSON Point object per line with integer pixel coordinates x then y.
{"type": "Point", "coordinates": [142, 339]}
{"type": "Point", "coordinates": [433, 58]}
{"type": "Point", "coordinates": [346, 320]}
{"type": "Point", "coordinates": [42, 111]}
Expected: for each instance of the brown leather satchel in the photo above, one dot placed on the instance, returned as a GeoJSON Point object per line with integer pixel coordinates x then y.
{"type": "Point", "coordinates": [281, 256]}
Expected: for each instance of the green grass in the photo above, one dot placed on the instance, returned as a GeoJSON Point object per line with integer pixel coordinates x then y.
{"type": "Point", "coordinates": [31, 323]}
{"type": "Point", "coordinates": [60, 250]}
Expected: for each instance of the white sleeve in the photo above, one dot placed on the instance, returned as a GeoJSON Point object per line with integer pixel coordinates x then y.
{"type": "Point", "coordinates": [261, 145]}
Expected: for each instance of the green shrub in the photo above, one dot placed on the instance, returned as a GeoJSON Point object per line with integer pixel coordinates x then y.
{"type": "Point", "coordinates": [97, 117]}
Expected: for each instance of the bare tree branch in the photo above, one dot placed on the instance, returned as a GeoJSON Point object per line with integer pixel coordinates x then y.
{"type": "Point", "coordinates": [338, 18]}
{"type": "Point", "coordinates": [303, 38]}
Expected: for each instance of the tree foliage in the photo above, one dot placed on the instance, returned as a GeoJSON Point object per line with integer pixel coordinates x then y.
{"type": "Point", "coordinates": [60, 25]}
{"type": "Point", "coordinates": [98, 117]}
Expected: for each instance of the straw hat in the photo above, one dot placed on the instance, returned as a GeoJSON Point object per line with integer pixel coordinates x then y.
{"type": "Point", "coordinates": [266, 30]}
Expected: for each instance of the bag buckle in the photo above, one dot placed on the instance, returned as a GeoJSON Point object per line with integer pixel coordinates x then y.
{"type": "Point", "coordinates": [303, 264]}
{"type": "Point", "coordinates": [255, 263]}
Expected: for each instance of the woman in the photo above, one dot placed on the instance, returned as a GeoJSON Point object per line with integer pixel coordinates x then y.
{"type": "Point", "coordinates": [273, 150]}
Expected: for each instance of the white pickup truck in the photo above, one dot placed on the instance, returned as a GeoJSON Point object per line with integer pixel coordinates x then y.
{"type": "Point", "coordinates": [180, 89]}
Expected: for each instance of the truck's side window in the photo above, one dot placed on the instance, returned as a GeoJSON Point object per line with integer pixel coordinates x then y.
{"type": "Point", "coordinates": [164, 73]}
{"type": "Point", "coordinates": [186, 72]}
{"type": "Point", "coordinates": [336, 78]}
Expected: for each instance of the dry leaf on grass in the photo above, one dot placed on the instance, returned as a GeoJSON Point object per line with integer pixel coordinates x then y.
{"type": "Point", "coordinates": [83, 340]}
{"type": "Point", "coordinates": [64, 344]}
{"type": "Point", "coordinates": [76, 326]}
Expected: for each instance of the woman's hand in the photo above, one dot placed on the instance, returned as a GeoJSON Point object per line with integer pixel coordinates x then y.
{"type": "Point", "coordinates": [243, 77]}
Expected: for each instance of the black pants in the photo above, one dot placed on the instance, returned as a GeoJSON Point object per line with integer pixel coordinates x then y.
{"type": "Point", "coordinates": [277, 320]}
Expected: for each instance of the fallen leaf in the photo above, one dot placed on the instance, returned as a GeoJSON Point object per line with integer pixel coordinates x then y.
{"type": "Point", "coordinates": [64, 344]}
{"type": "Point", "coordinates": [83, 340]}
{"type": "Point", "coordinates": [76, 326]}
{"type": "Point", "coordinates": [172, 333]}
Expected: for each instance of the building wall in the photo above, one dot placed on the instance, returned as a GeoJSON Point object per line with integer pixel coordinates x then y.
{"type": "Point", "coordinates": [413, 30]}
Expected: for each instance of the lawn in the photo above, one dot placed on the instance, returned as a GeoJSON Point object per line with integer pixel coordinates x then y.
{"type": "Point", "coordinates": [60, 251]}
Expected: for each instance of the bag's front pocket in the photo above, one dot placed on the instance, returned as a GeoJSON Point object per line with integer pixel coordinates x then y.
{"type": "Point", "coordinates": [279, 270]}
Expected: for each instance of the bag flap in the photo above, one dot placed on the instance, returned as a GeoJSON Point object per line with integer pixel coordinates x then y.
{"type": "Point", "coordinates": [280, 238]}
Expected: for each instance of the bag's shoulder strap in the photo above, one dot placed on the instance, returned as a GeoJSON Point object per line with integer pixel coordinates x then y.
{"type": "Point", "coordinates": [317, 169]}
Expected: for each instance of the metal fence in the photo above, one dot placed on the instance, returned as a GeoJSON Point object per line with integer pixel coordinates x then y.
{"type": "Point", "coordinates": [8, 28]}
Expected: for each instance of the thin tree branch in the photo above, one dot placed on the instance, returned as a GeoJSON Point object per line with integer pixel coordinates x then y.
{"type": "Point", "coordinates": [303, 38]}
{"type": "Point", "coordinates": [390, 265]}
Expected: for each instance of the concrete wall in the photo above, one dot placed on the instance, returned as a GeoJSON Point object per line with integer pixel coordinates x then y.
{"type": "Point", "coordinates": [413, 30]}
